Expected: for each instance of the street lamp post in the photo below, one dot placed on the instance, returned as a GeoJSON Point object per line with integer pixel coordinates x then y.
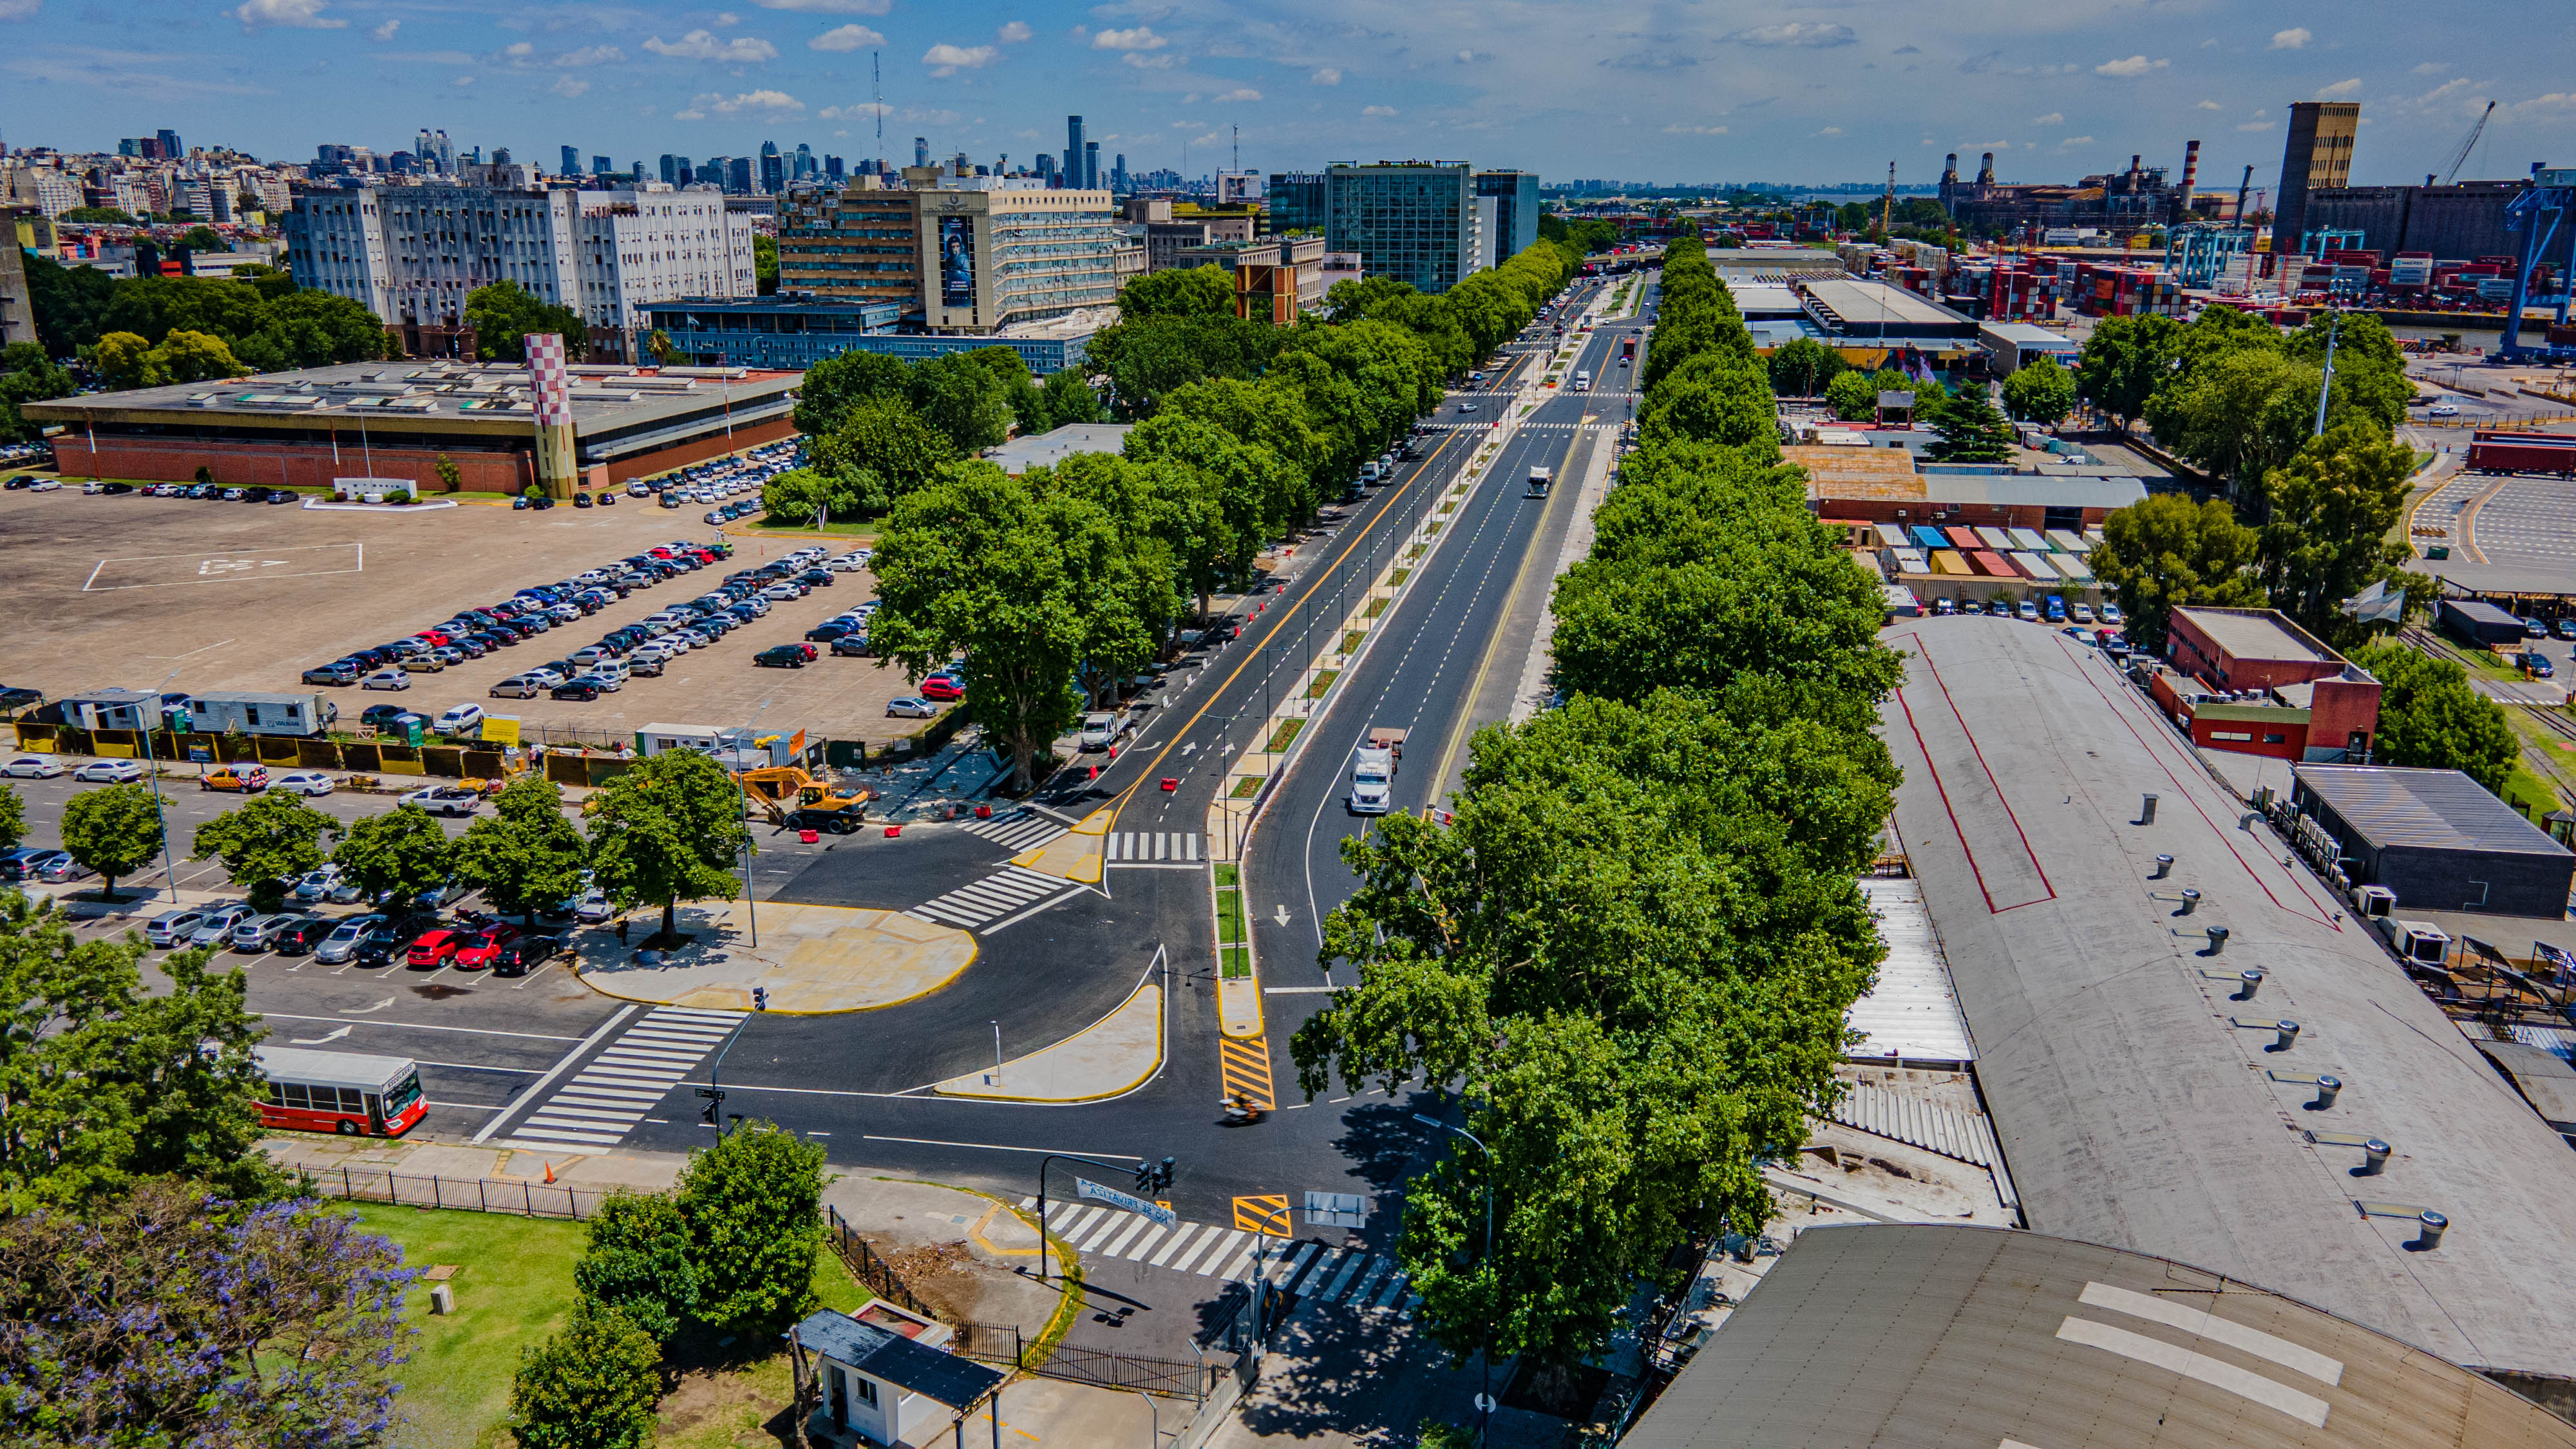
{"type": "Point", "coordinates": [169, 871]}
{"type": "Point", "coordinates": [750, 912]}
{"type": "Point", "coordinates": [1485, 1400]}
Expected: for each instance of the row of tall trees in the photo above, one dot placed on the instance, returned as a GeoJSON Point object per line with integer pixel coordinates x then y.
{"type": "Point", "coordinates": [884, 427]}
{"type": "Point", "coordinates": [1631, 951]}
{"type": "Point", "coordinates": [261, 324]}
{"type": "Point", "coordinates": [1057, 583]}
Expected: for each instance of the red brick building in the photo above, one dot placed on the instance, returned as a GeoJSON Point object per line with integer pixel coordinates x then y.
{"type": "Point", "coordinates": [2251, 682]}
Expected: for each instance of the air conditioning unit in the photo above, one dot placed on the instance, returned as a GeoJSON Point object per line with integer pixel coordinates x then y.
{"type": "Point", "coordinates": [2374, 902]}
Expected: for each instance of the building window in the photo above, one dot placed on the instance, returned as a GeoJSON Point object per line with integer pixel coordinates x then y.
{"type": "Point", "coordinates": [867, 1388]}
{"type": "Point", "coordinates": [2236, 735]}
{"type": "Point", "coordinates": [2272, 739]}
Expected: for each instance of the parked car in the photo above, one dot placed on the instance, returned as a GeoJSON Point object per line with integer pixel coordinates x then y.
{"type": "Point", "coordinates": [386, 679]}
{"type": "Point", "coordinates": [240, 777]}
{"type": "Point", "coordinates": [343, 940]}
{"type": "Point", "coordinates": [460, 719]}
{"type": "Point", "coordinates": [304, 782]}
{"type": "Point", "coordinates": [170, 928]}
{"type": "Point", "coordinates": [255, 933]}
{"type": "Point", "coordinates": [941, 687]}
{"type": "Point", "coordinates": [216, 925]}
{"type": "Point", "coordinates": [109, 772]}
{"type": "Point", "coordinates": [851, 646]}
{"type": "Point", "coordinates": [301, 935]}
{"type": "Point", "coordinates": [518, 686]}
{"type": "Point", "coordinates": [585, 688]}
{"type": "Point", "coordinates": [343, 672]}
{"type": "Point", "coordinates": [780, 656]}
{"type": "Point", "coordinates": [32, 767]}
{"type": "Point", "coordinates": [477, 953]}
{"type": "Point", "coordinates": [445, 799]}
{"type": "Point", "coordinates": [909, 708]}
{"type": "Point", "coordinates": [317, 885]}
{"type": "Point", "coordinates": [847, 820]}
{"type": "Point", "coordinates": [2111, 615]}
{"type": "Point", "coordinates": [436, 947]}
{"type": "Point", "coordinates": [519, 957]}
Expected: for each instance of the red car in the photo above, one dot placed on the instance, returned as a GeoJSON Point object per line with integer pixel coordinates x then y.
{"type": "Point", "coordinates": [484, 949]}
{"type": "Point", "coordinates": [941, 688]}
{"type": "Point", "coordinates": [806, 645]}
{"type": "Point", "coordinates": [436, 948]}
{"type": "Point", "coordinates": [436, 636]}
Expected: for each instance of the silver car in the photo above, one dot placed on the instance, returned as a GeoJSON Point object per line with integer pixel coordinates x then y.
{"type": "Point", "coordinates": [217, 925]}
{"type": "Point", "coordinates": [318, 885]}
{"type": "Point", "coordinates": [256, 932]}
{"type": "Point", "coordinates": [343, 940]}
{"type": "Point", "coordinates": [172, 927]}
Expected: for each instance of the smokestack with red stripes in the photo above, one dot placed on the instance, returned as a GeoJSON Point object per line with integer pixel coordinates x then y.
{"type": "Point", "coordinates": [2190, 173]}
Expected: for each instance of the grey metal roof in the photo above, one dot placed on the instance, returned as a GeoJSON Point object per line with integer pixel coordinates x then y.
{"type": "Point", "coordinates": [1912, 1014]}
{"type": "Point", "coordinates": [1958, 1337]}
{"type": "Point", "coordinates": [2132, 1108]}
{"type": "Point", "coordinates": [2255, 634]}
{"type": "Point", "coordinates": [2543, 1077]}
{"type": "Point", "coordinates": [1869, 305]}
{"type": "Point", "coordinates": [884, 1354]}
{"type": "Point", "coordinates": [2035, 490]}
{"type": "Point", "coordinates": [2435, 809]}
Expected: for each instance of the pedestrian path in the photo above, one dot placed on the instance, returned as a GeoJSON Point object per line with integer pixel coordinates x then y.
{"type": "Point", "coordinates": [630, 1077]}
{"type": "Point", "coordinates": [995, 901]}
{"type": "Point", "coordinates": [1352, 1278]}
{"type": "Point", "coordinates": [1018, 830]}
{"type": "Point", "coordinates": [1138, 846]}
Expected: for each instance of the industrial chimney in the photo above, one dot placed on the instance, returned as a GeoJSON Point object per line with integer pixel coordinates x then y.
{"type": "Point", "coordinates": [2190, 174]}
{"type": "Point", "coordinates": [1986, 170]}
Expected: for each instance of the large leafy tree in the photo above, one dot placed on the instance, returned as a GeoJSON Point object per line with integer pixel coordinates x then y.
{"type": "Point", "coordinates": [173, 1316]}
{"type": "Point", "coordinates": [640, 1262]}
{"type": "Point", "coordinates": [882, 450]}
{"type": "Point", "coordinates": [2238, 414]}
{"type": "Point", "coordinates": [2325, 536]}
{"type": "Point", "coordinates": [1011, 371]}
{"type": "Point", "coordinates": [1149, 358]}
{"type": "Point", "coordinates": [115, 830]}
{"type": "Point", "coordinates": [103, 1083]}
{"type": "Point", "coordinates": [988, 564]}
{"type": "Point", "coordinates": [2430, 717]}
{"type": "Point", "coordinates": [965, 400]}
{"type": "Point", "coordinates": [527, 855]}
{"type": "Point", "coordinates": [1973, 432]}
{"type": "Point", "coordinates": [502, 315]}
{"type": "Point", "coordinates": [1178, 292]}
{"type": "Point", "coordinates": [2123, 362]}
{"type": "Point", "coordinates": [2168, 552]}
{"type": "Point", "coordinates": [265, 843]}
{"type": "Point", "coordinates": [13, 817]}
{"type": "Point", "coordinates": [832, 386]}
{"type": "Point", "coordinates": [397, 856]}
{"type": "Point", "coordinates": [1803, 367]}
{"type": "Point", "coordinates": [593, 1385]}
{"type": "Point", "coordinates": [1070, 398]}
{"type": "Point", "coordinates": [27, 375]}
{"type": "Point", "coordinates": [754, 1207]}
{"type": "Point", "coordinates": [666, 830]}
{"type": "Point", "coordinates": [2040, 392]}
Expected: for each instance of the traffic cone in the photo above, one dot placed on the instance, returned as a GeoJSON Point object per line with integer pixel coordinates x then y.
{"type": "Point", "coordinates": [550, 1172]}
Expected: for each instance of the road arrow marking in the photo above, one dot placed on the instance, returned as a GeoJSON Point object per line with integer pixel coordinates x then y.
{"type": "Point", "coordinates": [1188, 748]}
{"type": "Point", "coordinates": [363, 1010]}
{"type": "Point", "coordinates": [318, 1040]}
{"type": "Point", "coordinates": [1282, 917]}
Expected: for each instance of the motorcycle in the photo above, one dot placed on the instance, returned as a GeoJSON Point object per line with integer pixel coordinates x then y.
{"type": "Point", "coordinates": [1241, 1113]}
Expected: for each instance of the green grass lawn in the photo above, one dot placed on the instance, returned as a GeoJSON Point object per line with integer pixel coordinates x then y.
{"type": "Point", "coordinates": [513, 1289]}
{"type": "Point", "coordinates": [835, 530]}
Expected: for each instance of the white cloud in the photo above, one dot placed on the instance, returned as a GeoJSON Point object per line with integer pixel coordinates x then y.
{"type": "Point", "coordinates": [1377, 110]}
{"type": "Point", "coordinates": [703, 45]}
{"type": "Point", "coordinates": [1327, 76]}
{"type": "Point", "coordinates": [2135, 65]}
{"type": "Point", "coordinates": [2255, 125]}
{"type": "Point", "coordinates": [2432, 67]}
{"type": "Point", "coordinates": [2556, 102]}
{"type": "Point", "coordinates": [1831, 131]}
{"type": "Point", "coordinates": [1013, 32]}
{"type": "Point", "coordinates": [518, 49]}
{"type": "Point", "coordinates": [463, 80]}
{"type": "Point", "coordinates": [2211, 106]}
{"type": "Point", "coordinates": [1795, 33]}
{"type": "Point", "coordinates": [20, 9]}
{"type": "Point", "coordinates": [946, 60]}
{"type": "Point", "coordinates": [1140, 38]}
{"type": "Point", "coordinates": [2053, 118]}
{"type": "Point", "coordinates": [829, 7]}
{"type": "Point", "coordinates": [385, 32]}
{"type": "Point", "coordinates": [570, 87]}
{"type": "Point", "coordinates": [1694, 130]}
{"type": "Point", "coordinates": [2071, 142]}
{"type": "Point", "coordinates": [847, 37]}
{"type": "Point", "coordinates": [2294, 38]}
{"type": "Point", "coordinates": [592, 55]}
{"type": "Point", "coordinates": [2339, 88]}
{"type": "Point", "coordinates": [1472, 57]}
{"type": "Point", "coordinates": [857, 110]}
{"type": "Point", "coordinates": [1142, 61]}
{"type": "Point", "coordinates": [765, 102]}
{"type": "Point", "coordinates": [1240, 93]}
{"type": "Point", "coordinates": [288, 14]}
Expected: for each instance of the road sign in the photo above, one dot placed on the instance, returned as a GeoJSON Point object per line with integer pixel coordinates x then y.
{"type": "Point", "coordinates": [1084, 1187]}
{"type": "Point", "coordinates": [1336, 1210]}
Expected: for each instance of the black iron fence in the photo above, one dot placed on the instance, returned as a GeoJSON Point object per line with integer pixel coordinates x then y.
{"type": "Point", "coordinates": [467, 1194]}
{"type": "Point", "coordinates": [874, 1272]}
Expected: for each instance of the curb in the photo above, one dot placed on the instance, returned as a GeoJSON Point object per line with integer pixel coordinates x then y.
{"type": "Point", "coordinates": [1162, 1056]}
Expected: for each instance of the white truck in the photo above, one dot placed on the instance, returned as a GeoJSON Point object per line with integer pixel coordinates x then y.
{"type": "Point", "coordinates": [1539, 480]}
{"type": "Point", "coordinates": [1100, 730]}
{"type": "Point", "coordinates": [1373, 767]}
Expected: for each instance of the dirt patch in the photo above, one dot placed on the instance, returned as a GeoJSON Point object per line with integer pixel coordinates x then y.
{"type": "Point", "coordinates": [947, 1276]}
{"type": "Point", "coordinates": [713, 1399]}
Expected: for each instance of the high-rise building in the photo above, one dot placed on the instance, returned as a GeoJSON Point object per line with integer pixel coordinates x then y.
{"type": "Point", "coordinates": [599, 165]}
{"type": "Point", "coordinates": [1073, 139]}
{"type": "Point", "coordinates": [571, 161]}
{"type": "Point", "coordinates": [806, 166]}
{"type": "Point", "coordinates": [738, 177]}
{"type": "Point", "coordinates": [832, 168]}
{"type": "Point", "coordinates": [921, 150]}
{"type": "Point", "coordinates": [861, 244]}
{"type": "Point", "coordinates": [1296, 202]}
{"type": "Point", "coordinates": [1118, 173]}
{"type": "Point", "coordinates": [959, 254]}
{"type": "Point", "coordinates": [1515, 196]}
{"type": "Point", "coordinates": [2319, 155]}
{"type": "Point", "coordinates": [500, 155]}
{"type": "Point", "coordinates": [713, 172]}
{"type": "Point", "coordinates": [171, 150]}
{"type": "Point", "coordinates": [436, 154]}
{"type": "Point", "coordinates": [670, 169]}
{"type": "Point", "coordinates": [1091, 166]}
{"type": "Point", "coordinates": [773, 168]}
{"type": "Point", "coordinates": [1416, 222]}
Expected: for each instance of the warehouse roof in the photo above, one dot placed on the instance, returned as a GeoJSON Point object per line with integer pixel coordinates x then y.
{"type": "Point", "coordinates": [2257, 634]}
{"type": "Point", "coordinates": [2137, 1101]}
{"type": "Point", "coordinates": [2035, 490]}
{"type": "Point", "coordinates": [1958, 1337]}
{"type": "Point", "coordinates": [2433, 809]}
{"type": "Point", "coordinates": [1866, 306]}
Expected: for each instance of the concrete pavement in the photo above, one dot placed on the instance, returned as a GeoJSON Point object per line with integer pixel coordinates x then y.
{"type": "Point", "coordinates": [1112, 1056]}
{"type": "Point", "coordinates": [811, 959]}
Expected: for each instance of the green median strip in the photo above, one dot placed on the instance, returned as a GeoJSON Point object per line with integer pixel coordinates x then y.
{"type": "Point", "coordinates": [1284, 734]}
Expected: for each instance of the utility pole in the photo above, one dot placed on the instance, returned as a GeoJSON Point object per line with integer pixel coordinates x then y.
{"type": "Point", "coordinates": [2325, 385]}
{"type": "Point", "coordinates": [876, 95]}
{"type": "Point", "coordinates": [1887, 208]}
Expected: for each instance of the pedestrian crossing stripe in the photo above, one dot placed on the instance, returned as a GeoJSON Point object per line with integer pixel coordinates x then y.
{"type": "Point", "coordinates": [628, 1078]}
{"type": "Point", "coordinates": [1133, 846]}
{"type": "Point", "coordinates": [1348, 1277]}
{"type": "Point", "coordinates": [1017, 830]}
{"type": "Point", "coordinates": [1265, 1213]}
{"type": "Point", "coordinates": [1009, 892]}
{"type": "Point", "coordinates": [1246, 1064]}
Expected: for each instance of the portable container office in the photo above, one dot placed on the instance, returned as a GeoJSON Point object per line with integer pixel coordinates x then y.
{"type": "Point", "coordinates": [2034, 568]}
{"type": "Point", "coordinates": [1996, 539]}
{"type": "Point", "coordinates": [2029, 539]}
{"type": "Point", "coordinates": [2066, 542]}
{"type": "Point", "coordinates": [263, 714]}
{"type": "Point", "coordinates": [1950, 561]}
{"type": "Point", "coordinates": [1994, 565]}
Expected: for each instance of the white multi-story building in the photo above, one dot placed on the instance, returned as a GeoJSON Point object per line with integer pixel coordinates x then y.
{"type": "Point", "coordinates": [56, 192]}
{"type": "Point", "coordinates": [413, 254]}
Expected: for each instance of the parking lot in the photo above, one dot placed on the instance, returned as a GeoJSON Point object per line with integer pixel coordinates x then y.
{"type": "Point", "coordinates": [122, 590]}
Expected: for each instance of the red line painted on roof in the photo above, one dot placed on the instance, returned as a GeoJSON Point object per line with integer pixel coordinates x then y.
{"type": "Point", "coordinates": [2226, 836]}
{"type": "Point", "coordinates": [1971, 736]}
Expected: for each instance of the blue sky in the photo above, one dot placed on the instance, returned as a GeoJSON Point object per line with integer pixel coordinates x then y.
{"type": "Point", "coordinates": [1646, 89]}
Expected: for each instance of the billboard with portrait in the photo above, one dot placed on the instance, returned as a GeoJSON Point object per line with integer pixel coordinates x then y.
{"type": "Point", "coordinates": [957, 261]}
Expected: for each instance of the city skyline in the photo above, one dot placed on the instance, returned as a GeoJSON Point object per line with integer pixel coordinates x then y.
{"type": "Point", "coordinates": [1829, 93]}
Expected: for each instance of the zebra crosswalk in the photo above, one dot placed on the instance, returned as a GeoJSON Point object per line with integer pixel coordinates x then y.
{"type": "Point", "coordinates": [630, 1077]}
{"type": "Point", "coordinates": [1350, 1277]}
{"type": "Point", "coordinates": [1009, 892]}
{"type": "Point", "coordinates": [1018, 830]}
{"type": "Point", "coordinates": [1133, 847]}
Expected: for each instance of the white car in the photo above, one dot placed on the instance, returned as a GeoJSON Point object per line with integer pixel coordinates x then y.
{"type": "Point", "coordinates": [782, 592]}
{"type": "Point", "coordinates": [910, 708]}
{"type": "Point", "coordinates": [593, 908]}
{"type": "Point", "coordinates": [2083, 613]}
{"type": "Point", "coordinates": [32, 767]}
{"type": "Point", "coordinates": [46, 485]}
{"type": "Point", "coordinates": [845, 563]}
{"type": "Point", "coordinates": [386, 679]}
{"type": "Point", "coordinates": [109, 772]}
{"type": "Point", "coordinates": [543, 677]}
{"type": "Point", "coordinates": [304, 782]}
{"type": "Point", "coordinates": [2444, 410]}
{"type": "Point", "coordinates": [2111, 614]}
{"type": "Point", "coordinates": [445, 799]}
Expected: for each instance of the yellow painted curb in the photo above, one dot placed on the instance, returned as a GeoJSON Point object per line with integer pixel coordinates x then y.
{"type": "Point", "coordinates": [1235, 998]}
{"type": "Point", "coordinates": [1077, 855]}
{"type": "Point", "coordinates": [1151, 1067]}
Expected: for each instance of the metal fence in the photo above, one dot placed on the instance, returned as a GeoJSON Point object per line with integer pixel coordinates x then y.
{"type": "Point", "coordinates": [472, 1194]}
{"type": "Point", "coordinates": [876, 1273]}
{"type": "Point", "coordinates": [1113, 1370]}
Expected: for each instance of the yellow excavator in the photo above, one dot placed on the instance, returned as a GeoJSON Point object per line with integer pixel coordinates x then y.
{"type": "Point", "coordinates": [775, 790]}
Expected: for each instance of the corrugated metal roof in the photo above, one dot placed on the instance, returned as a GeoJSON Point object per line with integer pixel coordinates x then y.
{"type": "Point", "coordinates": [880, 1353]}
{"type": "Point", "coordinates": [1913, 1012]}
{"type": "Point", "coordinates": [2034, 490]}
{"type": "Point", "coordinates": [2434, 809]}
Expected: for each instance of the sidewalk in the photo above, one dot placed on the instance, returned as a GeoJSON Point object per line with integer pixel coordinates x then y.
{"type": "Point", "coordinates": [812, 960]}
{"type": "Point", "coordinates": [1345, 1381]}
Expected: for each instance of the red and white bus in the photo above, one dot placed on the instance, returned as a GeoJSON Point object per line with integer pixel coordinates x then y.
{"type": "Point", "coordinates": [356, 1096]}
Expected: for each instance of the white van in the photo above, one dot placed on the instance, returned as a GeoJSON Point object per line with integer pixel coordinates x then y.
{"type": "Point", "coordinates": [1583, 382]}
{"type": "Point", "coordinates": [463, 719]}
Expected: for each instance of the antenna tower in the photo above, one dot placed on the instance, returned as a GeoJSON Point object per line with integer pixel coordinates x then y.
{"type": "Point", "coordinates": [876, 94]}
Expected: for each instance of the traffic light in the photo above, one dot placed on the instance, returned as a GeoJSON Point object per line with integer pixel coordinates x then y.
{"type": "Point", "coordinates": [760, 998]}
{"type": "Point", "coordinates": [1154, 1177]}
{"type": "Point", "coordinates": [715, 1104]}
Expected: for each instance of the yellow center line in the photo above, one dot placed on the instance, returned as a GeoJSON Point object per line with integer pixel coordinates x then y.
{"type": "Point", "coordinates": [1119, 802]}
